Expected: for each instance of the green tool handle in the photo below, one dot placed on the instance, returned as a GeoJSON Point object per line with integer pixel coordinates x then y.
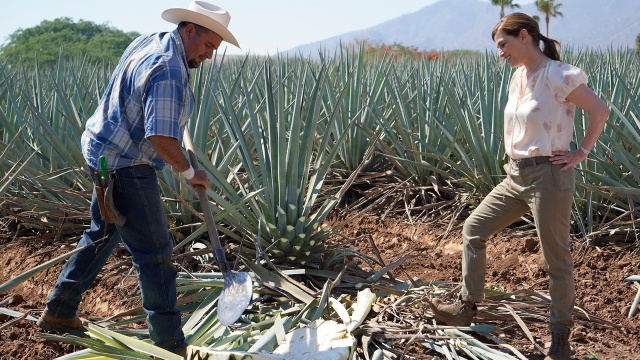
{"type": "Point", "coordinates": [103, 167]}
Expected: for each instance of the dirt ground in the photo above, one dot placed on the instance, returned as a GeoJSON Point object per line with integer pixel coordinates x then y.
{"type": "Point", "coordinates": [514, 262]}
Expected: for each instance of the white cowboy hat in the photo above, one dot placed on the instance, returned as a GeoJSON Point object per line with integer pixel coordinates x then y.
{"type": "Point", "coordinates": [204, 14]}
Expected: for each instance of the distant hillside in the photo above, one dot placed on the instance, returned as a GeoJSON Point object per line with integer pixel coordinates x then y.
{"type": "Point", "coordinates": [467, 24]}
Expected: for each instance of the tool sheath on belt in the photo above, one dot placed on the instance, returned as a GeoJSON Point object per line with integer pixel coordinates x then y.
{"type": "Point", "coordinates": [103, 186]}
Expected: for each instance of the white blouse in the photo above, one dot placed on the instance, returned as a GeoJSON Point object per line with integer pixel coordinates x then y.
{"type": "Point", "coordinates": [538, 118]}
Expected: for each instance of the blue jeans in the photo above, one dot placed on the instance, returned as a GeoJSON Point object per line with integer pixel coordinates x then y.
{"type": "Point", "coordinates": [145, 234]}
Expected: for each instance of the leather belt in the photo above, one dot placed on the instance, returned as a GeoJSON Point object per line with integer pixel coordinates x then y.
{"type": "Point", "coordinates": [532, 161]}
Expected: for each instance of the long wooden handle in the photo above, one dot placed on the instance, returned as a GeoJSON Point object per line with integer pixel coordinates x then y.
{"type": "Point", "coordinates": [218, 252]}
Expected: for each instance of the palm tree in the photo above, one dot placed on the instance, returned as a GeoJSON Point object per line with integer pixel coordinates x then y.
{"type": "Point", "coordinates": [550, 9]}
{"type": "Point", "coordinates": [502, 4]}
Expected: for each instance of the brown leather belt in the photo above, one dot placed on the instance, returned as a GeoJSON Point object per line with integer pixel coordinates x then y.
{"type": "Point", "coordinates": [526, 162]}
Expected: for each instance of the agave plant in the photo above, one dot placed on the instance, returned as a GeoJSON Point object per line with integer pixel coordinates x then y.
{"type": "Point", "coordinates": [284, 162]}
{"type": "Point", "coordinates": [41, 120]}
{"type": "Point", "coordinates": [355, 91]}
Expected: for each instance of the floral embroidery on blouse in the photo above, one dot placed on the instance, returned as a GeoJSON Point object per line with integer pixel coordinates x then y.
{"type": "Point", "coordinates": [570, 112]}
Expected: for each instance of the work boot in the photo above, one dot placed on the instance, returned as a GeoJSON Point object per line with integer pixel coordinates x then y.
{"type": "Point", "coordinates": [559, 349]}
{"type": "Point", "coordinates": [51, 323]}
{"type": "Point", "coordinates": [456, 314]}
{"type": "Point", "coordinates": [182, 351]}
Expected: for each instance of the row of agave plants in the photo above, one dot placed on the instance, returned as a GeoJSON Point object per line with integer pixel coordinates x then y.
{"type": "Point", "coordinates": [285, 141]}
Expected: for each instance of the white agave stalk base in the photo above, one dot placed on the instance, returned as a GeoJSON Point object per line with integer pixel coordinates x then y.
{"type": "Point", "coordinates": [321, 340]}
{"type": "Point", "coordinates": [202, 353]}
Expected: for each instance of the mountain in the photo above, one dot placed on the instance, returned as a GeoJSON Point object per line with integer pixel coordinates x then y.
{"type": "Point", "coordinates": [467, 24]}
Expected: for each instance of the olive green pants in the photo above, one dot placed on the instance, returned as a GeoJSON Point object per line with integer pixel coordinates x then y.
{"type": "Point", "coordinates": [548, 193]}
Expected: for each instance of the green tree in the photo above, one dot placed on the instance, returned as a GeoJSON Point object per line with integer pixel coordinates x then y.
{"type": "Point", "coordinates": [45, 42]}
{"type": "Point", "coordinates": [503, 4]}
{"type": "Point", "coordinates": [550, 9]}
{"type": "Point", "coordinates": [638, 44]}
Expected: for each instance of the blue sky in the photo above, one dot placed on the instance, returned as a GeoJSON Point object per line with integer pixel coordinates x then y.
{"type": "Point", "coordinates": [261, 26]}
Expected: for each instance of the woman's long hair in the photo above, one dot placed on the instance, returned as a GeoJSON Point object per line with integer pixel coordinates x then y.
{"type": "Point", "coordinates": [512, 24]}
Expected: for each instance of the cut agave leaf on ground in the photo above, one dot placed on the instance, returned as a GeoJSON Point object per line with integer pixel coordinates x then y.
{"type": "Point", "coordinates": [203, 353]}
{"type": "Point", "coordinates": [361, 308]}
{"type": "Point", "coordinates": [94, 348]}
{"type": "Point", "coordinates": [134, 344]}
{"type": "Point", "coordinates": [15, 314]}
{"type": "Point", "coordinates": [203, 309]}
{"type": "Point", "coordinates": [82, 354]}
{"type": "Point", "coordinates": [467, 342]}
{"type": "Point", "coordinates": [269, 339]}
{"type": "Point", "coordinates": [274, 280]}
{"type": "Point", "coordinates": [326, 340]}
{"type": "Point", "coordinates": [636, 301]}
{"type": "Point", "coordinates": [341, 311]}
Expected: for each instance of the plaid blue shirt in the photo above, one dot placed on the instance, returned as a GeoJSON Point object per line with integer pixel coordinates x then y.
{"type": "Point", "coordinates": [149, 94]}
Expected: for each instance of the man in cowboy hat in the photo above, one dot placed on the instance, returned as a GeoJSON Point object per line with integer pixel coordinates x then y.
{"type": "Point", "coordinates": [136, 130]}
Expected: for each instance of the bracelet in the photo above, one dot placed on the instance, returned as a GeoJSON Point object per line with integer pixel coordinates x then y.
{"type": "Point", "coordinates": [585, 151]}
{"type": "Point", "coordinates": [189, 173]}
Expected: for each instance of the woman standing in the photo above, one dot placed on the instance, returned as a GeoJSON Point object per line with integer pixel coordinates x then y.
{"type": "Point", "coordinates": [538, 130]}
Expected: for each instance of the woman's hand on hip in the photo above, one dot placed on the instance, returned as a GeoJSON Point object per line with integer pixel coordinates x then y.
{"type": "Point", "coordinates": [568, 158]}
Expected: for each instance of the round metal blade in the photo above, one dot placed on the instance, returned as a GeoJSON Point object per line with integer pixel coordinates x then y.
{"type": "Point", "coordinates": [235, 297]}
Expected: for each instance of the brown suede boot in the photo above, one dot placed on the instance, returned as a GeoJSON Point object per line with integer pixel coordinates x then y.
{"type": "Point", "coordinates": [456, 314]}
{"type": "Point", "coordinates": [48, 322]}
{"type": "Point", "coordinates": [560, 349]}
